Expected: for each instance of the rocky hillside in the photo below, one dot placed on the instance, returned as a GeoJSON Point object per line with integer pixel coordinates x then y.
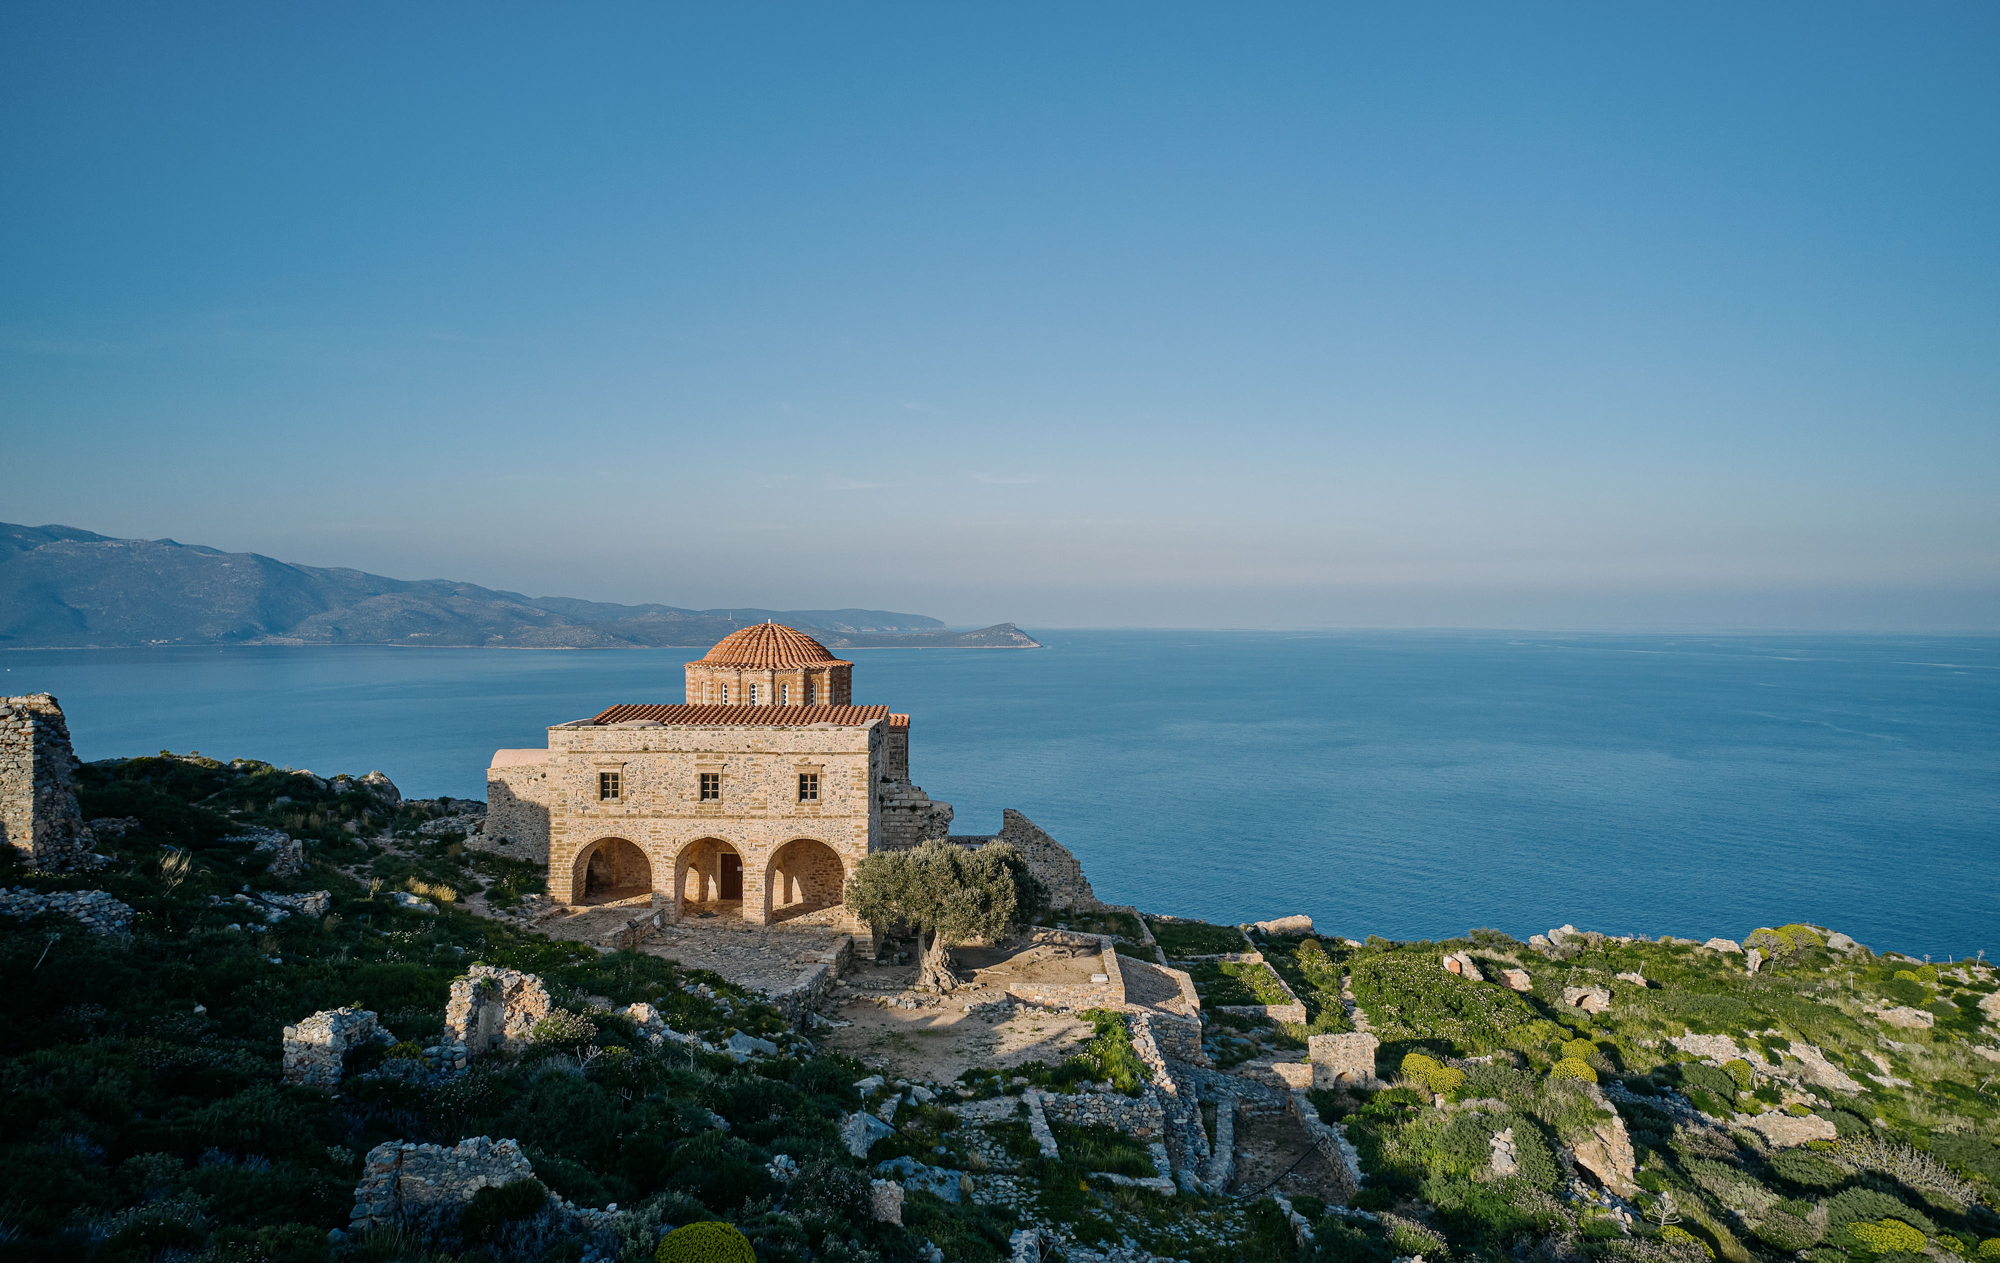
{"type": "Point", "coordinates": [1574, 1098]}
{"type": "Point", "coordinates": [63, 587]}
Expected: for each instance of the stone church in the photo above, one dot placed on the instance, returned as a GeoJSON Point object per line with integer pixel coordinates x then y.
{"type": "Point", "coordinates": [754, 798]}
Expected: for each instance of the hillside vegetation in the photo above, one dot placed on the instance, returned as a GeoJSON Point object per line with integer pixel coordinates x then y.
{"type": "Point", "coordinates": [145, 1119]}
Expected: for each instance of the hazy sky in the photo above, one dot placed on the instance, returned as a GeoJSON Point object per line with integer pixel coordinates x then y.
{"type": "Point", "coordinates": [1523, 315]}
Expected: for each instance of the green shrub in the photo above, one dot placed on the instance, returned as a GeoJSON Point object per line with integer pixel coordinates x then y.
{"type": "Point", "coordinates": [491, 1207]}
{"type": "Point", "coordinates": [1806, 1169]}
{"type": "Point", "coordinates": [1989, 1248]}
{"type": "Point", "coordinates": [1784, 1231]}
{"type": "Point", "coordinates": [709, 1242]}
{"type": "Point", "coordinates": [1681, 1236]}
{"type": "Point", "coordinates": [1890, 1236]}
{"type": "Point", "coordinates": [1099, 1148]}
{"type": "Point", "coordinates": [1571, 1068]}
{"type": "Point", "coordinates": [1439, 1077]}
{"type": "Point", "coordinates": [1905, 988]}
{"type": "Point", "coordinates": [1181, 940]}
{"type": "Point", "coordinates": [1740, 1072]}
{"type": "Point", "coordinates": [1110, 1055]}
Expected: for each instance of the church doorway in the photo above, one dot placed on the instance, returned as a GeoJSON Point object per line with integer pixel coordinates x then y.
{"type": "Point", "coordinates": [708, 879]}
{"type": "Point", "coordinates": [615, 870]}
{"type": "Point", "coordinates": [805, 876]}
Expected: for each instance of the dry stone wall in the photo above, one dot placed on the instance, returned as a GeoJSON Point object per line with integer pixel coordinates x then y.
{"type": "Point", "coordinates": [518, 796]}
{"type": "Point", "coordinates": [1139, 1116]}
{"type": "Point", "coordinates": [1346, 1060]}
{"type": "Point", "coordinates": [401, 1177]}
{"type": "Point", "coordinates": [99, 912]}
{"type": "Point", "coordinates": [492, 1008]}
{"type": "Point", "coordinates": [316, 1048]}
{"type": "Point", "coordinates": [38, 812]}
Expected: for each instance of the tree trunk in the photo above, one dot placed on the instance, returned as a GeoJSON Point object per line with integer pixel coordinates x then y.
{"type": "Point", "coordinates": [935, 971]}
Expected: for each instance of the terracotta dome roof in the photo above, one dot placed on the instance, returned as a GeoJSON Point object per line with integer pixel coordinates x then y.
{"type": "Point", "coordinates": [765, 645]}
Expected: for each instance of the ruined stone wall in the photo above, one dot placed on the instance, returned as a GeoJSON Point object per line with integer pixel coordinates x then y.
{"type": "Point", "coordinates": [1138, 1116]}
{"type": "Point", "coordinates": [401, 1177]}
{"type": "Point", "coordinates": [661, 812]}
{"type": "Point", "coordinates": [1051, 863]}
{"type": "Point", "coordinates": [1346, 1060]}
{"type": "Point", "coordinates": [38, 812]}
{"type": "Point", "coordinates": [518, 795]}
{"type": "Point", "coordinates": [97, 909]}
{"type": "Point", "coordinates": [317, 1048]}
{"type": "Point", "coordinates": [494, 1008]}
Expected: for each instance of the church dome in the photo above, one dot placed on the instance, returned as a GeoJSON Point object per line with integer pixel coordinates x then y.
{"type": "Point", "coordinates": [767, 646]}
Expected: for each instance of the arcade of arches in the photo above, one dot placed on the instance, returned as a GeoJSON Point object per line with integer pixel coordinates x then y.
{"type": "Point", "coordinates": [805, 876]}
{"type": "Point", "coordinates": [613, 870]}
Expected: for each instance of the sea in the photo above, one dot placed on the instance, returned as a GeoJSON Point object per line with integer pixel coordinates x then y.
{"type": "Point", "coordinates": [1406, 784]}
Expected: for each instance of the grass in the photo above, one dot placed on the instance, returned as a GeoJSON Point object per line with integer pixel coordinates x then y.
{"type": "Point", "coordinates": [1103, 1149]}
{"type": "Point", "coordinates": [1227, 982]}
{"type": "Point", "coordinates": [1183, 939]}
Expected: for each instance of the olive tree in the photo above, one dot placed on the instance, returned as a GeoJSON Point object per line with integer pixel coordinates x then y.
{"type": "Point", "coordinates": [947, 894]}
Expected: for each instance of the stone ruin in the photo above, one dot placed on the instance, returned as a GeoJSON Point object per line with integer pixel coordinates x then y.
{"type": "Point", "coordinates": [1049, 861]}
{"type": "Point", "coordinates": [316, 1048]}
{"type": "Point", "coordinates": [1592, 1000]}
{"type": "Point", "coordinates": [288, 854]}
{"type": "Point", "coordinates": [38, 812]}
{"type": "Point", "coordinates": [400, 1179]}
{"type": "Point", "coordinates": [97, 909]}
{"type": "Point", "coordinates": [1343, 1060]}
{"type": "Point", "coordinates": [492, 1008]}
{"type": "Point", "coordinates": [1461, 963]}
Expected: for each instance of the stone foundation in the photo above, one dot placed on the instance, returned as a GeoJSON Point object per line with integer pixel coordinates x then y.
{"type": "Point", "coordinates": [38, 813]}
{"type": "Point", "coordinates": [494, 1008]}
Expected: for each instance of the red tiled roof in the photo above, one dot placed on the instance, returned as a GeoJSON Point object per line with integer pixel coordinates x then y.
{"type": "Point", "coordinates": [763, 646]}
{"type": "Point", "coordinates": [689, 716]}
{"type": "Point", "coordinates": [899, 721]}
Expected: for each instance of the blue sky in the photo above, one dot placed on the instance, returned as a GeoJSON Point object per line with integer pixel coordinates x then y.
{"type": "Point", "coordinates": [1525, 315]}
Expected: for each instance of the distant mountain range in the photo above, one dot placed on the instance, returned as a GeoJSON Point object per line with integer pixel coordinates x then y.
{"type": "Point", "coordinates": [65, 588]}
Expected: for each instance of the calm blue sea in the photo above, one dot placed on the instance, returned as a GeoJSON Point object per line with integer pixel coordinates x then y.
{"type": "Point", "coordinates": [1405, 784]}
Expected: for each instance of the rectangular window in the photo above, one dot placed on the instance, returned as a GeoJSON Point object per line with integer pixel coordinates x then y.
{"type": "Point", "coordinates": [609, 788]}
{"type": "Point", "coordinates": [711, 787]}
{"type": "Point", "coordinates": [808, 787]}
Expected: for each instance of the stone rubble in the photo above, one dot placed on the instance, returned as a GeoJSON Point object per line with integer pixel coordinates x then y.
{"type": "Point", "coordinates": [288, 855]}
{"type": "Point", "coordinates": [400, 1177]}
{"type": "Point", "coordinates": [99, 912]}
{"type": "Point", "coordinates": [1589, 999]}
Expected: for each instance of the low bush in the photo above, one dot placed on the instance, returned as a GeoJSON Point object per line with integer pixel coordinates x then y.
{"type": "Point", "coordinates": [1573, 1068]}
{"type": "Point", "coordinates": [708, 1242]}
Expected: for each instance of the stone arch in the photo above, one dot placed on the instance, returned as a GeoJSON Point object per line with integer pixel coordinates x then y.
{"type": "Point", "coordinates": [805, 875]}
{"type": "Point", "coordinates": [708, 877]}
{"type": "Point", "coordinates": [612, 869]}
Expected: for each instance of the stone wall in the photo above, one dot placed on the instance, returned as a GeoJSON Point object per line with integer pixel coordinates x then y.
{"type": "Point", "coordinates": [1139, 1116]}
{"type": "Point", "coordinates": [317, 1047]}
{"type": "Point", "coordinates": [1343, 1060]}
{"type": "Point", "coordinates": [99, 912]}
{"type": "Point", "coordinates": [401, 1177]}
{"type": "Point", "coordinates": [1051, 863]}
{"type": "Point", "coordinates": [518, 794]}
{"type": "Point", "coordinates": [493, 1008]}
{"type": "Point", "coordinates": [661, 813]}
{"type": "Point", "coordinates": [38, 813]}
{"type": "Point", "coordinates": [1109, 994]}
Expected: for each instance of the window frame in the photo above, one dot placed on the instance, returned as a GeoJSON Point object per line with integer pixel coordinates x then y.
{"type": "Point", "coordinates": [809, 788]}
{"type": "Point", "coordinates": [611, 785]}
{"type": "Point", "coordinates": [708, 787]}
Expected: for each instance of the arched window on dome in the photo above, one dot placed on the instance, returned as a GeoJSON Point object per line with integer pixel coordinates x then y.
{"type": "Point", "coordinates": [725, 694]}
{"type": "Point", "coordinates": [811, 690]}
{"type": "Point", "coordinates": [784, 695]}
{"type": "Point", "coordinates": [753, 695]}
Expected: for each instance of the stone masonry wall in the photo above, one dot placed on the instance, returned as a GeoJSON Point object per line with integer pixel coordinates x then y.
{"type": "Point", "coordinates": [1343, 1060]}
{"type": "Point", "coordinates": [494, 1008]}
{"type": "Point", "coordinates": [1138, 1116]}
{"type": "Point", "coordinates": [38, 813]}
{"type": "Point", "coordinates": [316, 1048]}
{"type": "Point", "coordinates": [662, 814]}
{"type": "Point", "coordinates": [517, 806]}
{"type": "Point", "coordinates": [401, 1177]}
{"type": "Point", "coordinates": [1051, 863]}
{"type": "Point", "coordinates": [97, 909]}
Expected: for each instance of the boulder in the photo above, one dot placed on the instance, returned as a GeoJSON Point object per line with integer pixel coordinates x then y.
{"type": "Point", "coordinates": [1518, 979]}
{"type": "Point", "coordinates": [1905, 1016]}
{"type": "Point", "coordinates": [1589, 999]}
{"type": "Point", "coordinates": [1724, 945]}
{"type": "Point", "coordinates": [383, 788]}
{"type": "Point", "coordinates": [885, 1201]}
{"type": "Point", "coordinates": [1296, 924]}
{"type": "Point", "coordinates": [1606, 1150]}
{"type": "Point", "coordinates": [1785, 1131]}
{"type": "Point", "coordinates": [860, 1130]}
